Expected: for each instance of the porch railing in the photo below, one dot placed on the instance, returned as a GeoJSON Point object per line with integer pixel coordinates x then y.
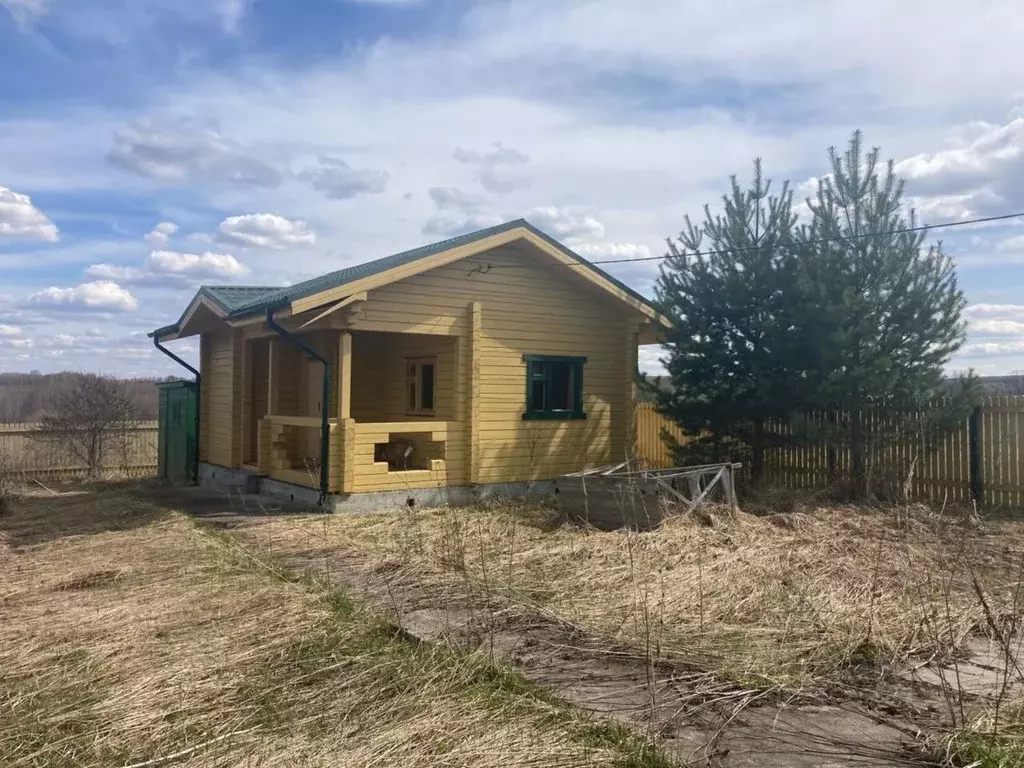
{"type": "Point", "coordinates": [428, 461]}
{"type": "Point", "coordinates": [285, 453]}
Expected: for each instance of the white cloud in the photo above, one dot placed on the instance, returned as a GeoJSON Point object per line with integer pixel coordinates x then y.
{"type": "Point", "coordinates": [24, 11]}
{"type": "Point", "coordinates": [564, 223]}
{"type": "Point", "coordinates": [498, 155]}
{"type": "Point", "coordinates": [445, 226]}
{"type": "Point", "coordinates": [195, 265]}
{"type": "Point", "coordinates": [180, 154]}
{"type": "Point", "coordinates": [231, 14]}
{"type": "Point", "coordinates": [339, 181]}
{"type": "Point", "coordinates": [102, 295]}
{"type": "Point", "coordinates": [393, 3]}
{"type": "Point", "coordinates": [500, 181]}
{"type": "Point", "coordinates": [982, 174]}
{"type": "Point", "coordinates": [997, 327]}
{"type": "Point", "coordinates": [767, 43]}
{"type": "Point", "coordinates": [1015, 243]}
{"type": "Point", "coordinates": [115, 273]}
{"type": "Point", "coordinates": [265, 230]}
{"type": "Point", "coordinates": [649, 359]}
{"type": "Point", "coordinates": [20, 343]}
{"type": "Point", "coordinates": [170, 269]}
{"type": "Point", "coordinates": [995, 148]}
{"type": "Point", "coordinates": [161, 233]}
{"type": "Point", "coordinates": [992, 349]}
{"type": "Point", "coordinates": [942, 208]}
{"type": "Point", "coordinates": [493, 167]}
{"type": "Point", "coordinates": [450, 198]}
{"type": "Point", "coordinates": [9, 330]}
{"type": "Point", "coordinates": [612, 251]}
{"type": "Point", "coordinates": [998, 311]}
{"type": "Point", "coordinates": [19, 218]}
{"type": "Point", "coordinates": [996, 334]}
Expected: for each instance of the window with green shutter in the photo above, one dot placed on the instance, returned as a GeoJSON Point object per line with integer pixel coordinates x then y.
{"type": "Point", "coordinates": [554, 387]}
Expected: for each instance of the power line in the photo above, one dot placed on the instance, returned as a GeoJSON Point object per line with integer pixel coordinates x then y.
{"type": "Point", "coordinates": [845, 238]}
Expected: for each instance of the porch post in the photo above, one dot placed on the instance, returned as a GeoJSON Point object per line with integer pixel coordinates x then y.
{"type": "Point", "coordinates": [266, 434]}
{"type": "Point", "coordinates": [273, 360]}
{"type": "Point", "coordinates": [629, 446]}
{"type": "Point", "coordinates": [345, 375]}
{"type": "Point", "coordinates": [473, 391]}
{"type": "Point", "coordinates": [346, 433]}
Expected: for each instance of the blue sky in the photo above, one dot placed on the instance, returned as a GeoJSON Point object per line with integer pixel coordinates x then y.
{"type": "Point", "coordinates": [147, 146]}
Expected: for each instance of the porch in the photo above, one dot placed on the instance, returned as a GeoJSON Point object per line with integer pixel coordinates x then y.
{"type": "Point", "coordinates": [393, 410]}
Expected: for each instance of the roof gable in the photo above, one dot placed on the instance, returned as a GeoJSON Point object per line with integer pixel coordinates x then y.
{"type": "Point", "coordinates": [341, 277]}
{"type": "Point", "coordinates": [242, 301]}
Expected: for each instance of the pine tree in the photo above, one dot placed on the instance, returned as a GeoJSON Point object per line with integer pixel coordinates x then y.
{"type": "Point", "coordinates": [882, 312]}
{"type": "Point", "coordinates": [730, 284]}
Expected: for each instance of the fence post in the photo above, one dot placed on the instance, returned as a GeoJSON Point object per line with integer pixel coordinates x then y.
{"type": "Point", "coordinates": [831, 469]}
{"type": "Point", "coordinates": [974, 452]}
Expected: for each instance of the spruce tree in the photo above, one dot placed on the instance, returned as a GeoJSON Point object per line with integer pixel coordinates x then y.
{"type": "Point", "coordinates": [729, 284]}
{"type": "Point", "coordinates": [881, 311]}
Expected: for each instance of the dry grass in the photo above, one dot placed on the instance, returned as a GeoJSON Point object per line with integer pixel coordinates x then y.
{"type": "Point", "coordinates": [784, 600]}
{"type": "Point", "coordinates": [128, 636]}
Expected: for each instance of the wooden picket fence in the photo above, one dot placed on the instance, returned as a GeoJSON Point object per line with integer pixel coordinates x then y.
{"type": "Point", "coordinates": [23, 453]}
{"type": "Point", "coordinates": [994, 435]}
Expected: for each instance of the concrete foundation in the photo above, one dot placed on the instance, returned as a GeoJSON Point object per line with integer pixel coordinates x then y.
{"type": "Point", "coordinates": [289, 492]}
{"type": "Point", "coordinates": [454, 496]}
{"type": "Point", "coordinates": [239, 480]}
{"type": "Point", "coordinates": [224, 479]}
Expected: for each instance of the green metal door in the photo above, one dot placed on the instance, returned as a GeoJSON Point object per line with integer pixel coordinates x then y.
{"type": "Point", "coordinates": [177, 445]}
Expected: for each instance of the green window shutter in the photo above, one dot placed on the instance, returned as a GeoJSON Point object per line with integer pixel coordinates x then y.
{"type": "Point", "coordinates": [577, 391]}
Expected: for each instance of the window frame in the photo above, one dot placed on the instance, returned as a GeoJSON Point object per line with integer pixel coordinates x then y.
{"type": "Point", "coordinates": [416, 379]}
{"type": "Point", "coordinates": [536, 372]}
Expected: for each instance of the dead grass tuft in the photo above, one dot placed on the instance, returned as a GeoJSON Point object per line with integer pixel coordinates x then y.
{"type": "Point", "coordinates": [90, 580]}
{"type": "Point", "coordinates": [8, 485]}
{"type": "Point", "coordinates": [773, 600]}
{"type": "Point", "coordinates": [130, 637]}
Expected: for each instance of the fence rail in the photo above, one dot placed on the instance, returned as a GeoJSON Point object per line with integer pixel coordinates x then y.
{"type": "Point", "coordinates": [23, 451]}
{"type": "Point", "coordinates": [942, 470]}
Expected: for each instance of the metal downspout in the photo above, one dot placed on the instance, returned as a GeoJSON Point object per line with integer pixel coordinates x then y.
{"type": "Point", "coordinates": [325, 426]}
{"type": "Point", "coordinates": [199, 394]}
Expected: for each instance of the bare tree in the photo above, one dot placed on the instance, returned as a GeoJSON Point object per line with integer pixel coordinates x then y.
{"type": "Point", "coordinates": [89, 418]}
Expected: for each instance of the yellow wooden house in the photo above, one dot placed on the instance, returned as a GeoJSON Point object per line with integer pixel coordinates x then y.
{"type": "Point", "coordinates": [485, 363]}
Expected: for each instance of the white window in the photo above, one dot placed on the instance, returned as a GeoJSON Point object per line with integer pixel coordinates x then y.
{"type": "Point", "coordinates": [419, 385]}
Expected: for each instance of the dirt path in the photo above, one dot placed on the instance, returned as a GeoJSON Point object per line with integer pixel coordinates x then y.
{"type": "Point", "coordinates": [695, 720]}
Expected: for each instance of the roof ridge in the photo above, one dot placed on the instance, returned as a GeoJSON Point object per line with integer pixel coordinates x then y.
{"type": "Point", "coordinates": [367, 268]}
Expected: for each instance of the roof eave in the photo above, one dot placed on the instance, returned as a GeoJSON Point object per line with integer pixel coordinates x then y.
{"type": "Point", "coordinates": [163, 333]}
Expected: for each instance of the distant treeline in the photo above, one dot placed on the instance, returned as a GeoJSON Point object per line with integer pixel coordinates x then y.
{"type": "Point", "coordinates": [1000, 386]}
{"type": "Point", "coordinates": [24, 396]}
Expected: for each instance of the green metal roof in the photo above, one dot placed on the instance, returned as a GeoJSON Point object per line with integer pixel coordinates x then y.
{"type": "Point", "coordinates": [231, 297]}
{"type": "Point", "coordinates": [368, 269]}
{"type": "Point", "coordinates": [227, 297]}
{"type": "Point", "coordinates": [240, 301]}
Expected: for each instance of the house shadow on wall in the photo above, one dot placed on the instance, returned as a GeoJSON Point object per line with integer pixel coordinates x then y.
{"type": "Point", "coordinates": [545, 450]}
